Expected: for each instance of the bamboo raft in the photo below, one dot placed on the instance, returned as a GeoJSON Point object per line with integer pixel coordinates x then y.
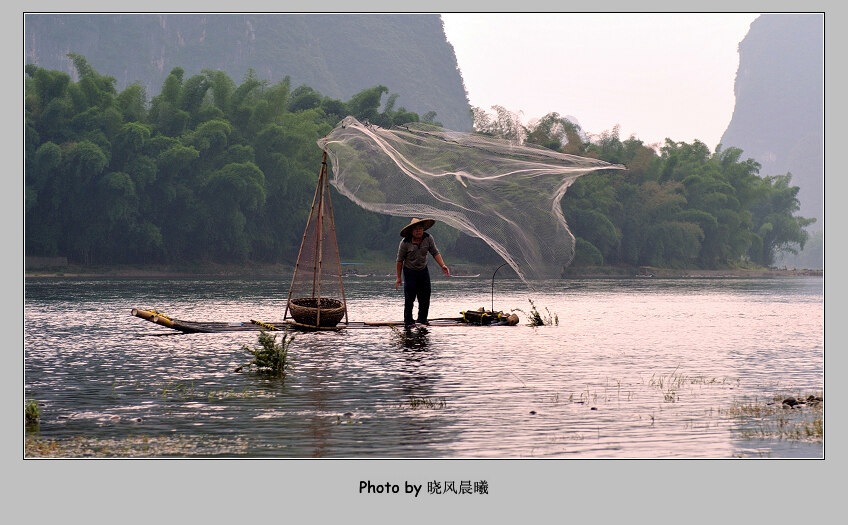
{"type": "Point", "coordinates": [195, 327]}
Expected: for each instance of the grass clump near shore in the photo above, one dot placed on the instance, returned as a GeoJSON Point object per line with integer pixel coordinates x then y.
{"type": "Point", "coordinates": [136, 446]}
{"type": "Point", "coordinates": [269, 358]}
{"type": "Point", "coordinates": [535, 318]}
{"type": "Point", "coordinates": [795, 418]}
{"type": "Point", "coordinates": [426, 402]}
{"type": "Point", "coordinates": [671, 384]}
{"type": "Point", "coordinates": [31, 413]}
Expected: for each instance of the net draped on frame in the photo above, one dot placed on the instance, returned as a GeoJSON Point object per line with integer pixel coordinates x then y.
{"type": "Point", "coordinates": [506, 194]}
{"type": "Point", "coordinates": [316, 296]}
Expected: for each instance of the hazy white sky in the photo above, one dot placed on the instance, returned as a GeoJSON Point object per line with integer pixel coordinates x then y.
{"type": "Point", "coordinates": [656, 75]}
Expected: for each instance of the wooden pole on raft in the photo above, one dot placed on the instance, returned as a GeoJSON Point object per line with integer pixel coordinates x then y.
{"type": "Point", "coordinates": [336, 240]}
{"type": "Point", "coordinates": [319, 238]}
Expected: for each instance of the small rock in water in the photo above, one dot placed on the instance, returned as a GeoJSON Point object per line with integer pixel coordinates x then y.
{"type": "Point", "coordinates": [348, 414]}
{"type": "Point", "coordinates": [814, 400]}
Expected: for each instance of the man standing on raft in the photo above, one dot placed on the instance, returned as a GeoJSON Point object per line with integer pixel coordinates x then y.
{"type": "Point", "coordinates": [412, 260]}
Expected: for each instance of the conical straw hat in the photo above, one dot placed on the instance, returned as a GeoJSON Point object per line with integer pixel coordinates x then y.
{"type": "Point", "coordinates": [407, 230]}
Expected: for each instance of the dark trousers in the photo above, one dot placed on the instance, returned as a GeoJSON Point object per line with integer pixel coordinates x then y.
{"type": "Point", "coordinates": [416, 285]}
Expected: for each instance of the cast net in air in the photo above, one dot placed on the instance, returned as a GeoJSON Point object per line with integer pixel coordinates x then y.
{"type": "Point", "coordinates": [506, 194]}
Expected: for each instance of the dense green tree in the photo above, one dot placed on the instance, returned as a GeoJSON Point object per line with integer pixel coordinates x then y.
{"type": "Point", "coordinates": [505, 124]}
{"type": "Point", "coordinates": [548, 132]}
{"type": "Point", "coordinates": [165, 112]}
{"type": "Point", "coordinates": [365, 105]}
{"type": "Point", "coordinates": [229, 195]}
{"type": "Point", "coordinates": [302, 98]}
{"type": "Point", "coordinates": [132, 102]}
{"type": "Point", "coordinates": [775, 227]}
{"type": "Point", "coordinates": [586, 254]}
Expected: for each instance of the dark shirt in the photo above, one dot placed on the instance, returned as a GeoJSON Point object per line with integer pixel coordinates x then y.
{"type": "Point", "coordinates": [414, 256]}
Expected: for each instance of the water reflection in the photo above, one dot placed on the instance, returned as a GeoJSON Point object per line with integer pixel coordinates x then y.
{"type": "Point", "coordinates": [412, 338]}
{"type": "Point", "coordinates": [421, 410]}
{"type": "Point", "coordinates": [417, 372]}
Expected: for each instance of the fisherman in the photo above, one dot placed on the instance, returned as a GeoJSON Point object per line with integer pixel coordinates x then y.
{"type": "Point", "coordinates": [412, 261]}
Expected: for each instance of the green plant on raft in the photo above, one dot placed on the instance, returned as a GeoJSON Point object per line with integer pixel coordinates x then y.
{"type": "Point", "coordinates": [31, 412]}
{"type": "Point", "coordinates": [536, 319]}
{"type": "Point", "coordinates": [269, 358]}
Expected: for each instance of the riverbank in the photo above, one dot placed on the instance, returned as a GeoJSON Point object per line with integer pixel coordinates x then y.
{"type": "Point", "coordinates": [260, 271]}
{"type": "Point", "coordinates": [601, 272]}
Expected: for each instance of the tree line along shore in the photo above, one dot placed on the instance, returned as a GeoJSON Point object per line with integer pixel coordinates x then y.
{"type": "Point", "coordinates": [213, 172]}
{"type": "Point", "coordinates": [482, 272]}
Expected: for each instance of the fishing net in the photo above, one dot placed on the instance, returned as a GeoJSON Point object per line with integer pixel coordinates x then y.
{"type": "Point", "coordinates": [505, 193]}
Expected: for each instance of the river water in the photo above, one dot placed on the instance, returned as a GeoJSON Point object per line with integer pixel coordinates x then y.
{"type": "Point", "coordinates": [634, 368]}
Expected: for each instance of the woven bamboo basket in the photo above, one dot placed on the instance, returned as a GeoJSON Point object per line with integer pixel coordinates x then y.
{"type": "Point", "coordinates": [304, 310]}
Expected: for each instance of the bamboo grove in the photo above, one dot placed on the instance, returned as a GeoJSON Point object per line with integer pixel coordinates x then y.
{"type": "Point", "coordinates": [212, 171]}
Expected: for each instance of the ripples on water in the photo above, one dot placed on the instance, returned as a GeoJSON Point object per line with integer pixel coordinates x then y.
{"type": "Point", "coordinates": [639, 368]}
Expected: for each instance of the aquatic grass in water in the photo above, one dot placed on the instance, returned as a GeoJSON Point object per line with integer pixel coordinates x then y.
{"type": "Point", "coordinates": [671, 384]}
{"type": "Point", "coordinates": [31, 414]}
{"type": "Point", "coordinates": [536, 319]}
{"type": "Point", "coordinates": [188, 392]}
{"type": "Point", "coordinates": [231, 394]}
{"type": "Point", "coordinates": [269, 358]}
{"type": "Point", "coordinates": [184, 391]}
{"type": "Point", "coordinates": [783, 417]}
{"type": "Point", "coordinates": [426, 402]}
{"type": "Point", "coordinates": [31, 411]}
{"type": "Point", "coordinates": [134, 446]}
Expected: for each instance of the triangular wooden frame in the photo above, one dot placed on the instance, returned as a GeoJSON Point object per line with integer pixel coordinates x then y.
{"type": "Point", "coordinates": [319, 202]}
